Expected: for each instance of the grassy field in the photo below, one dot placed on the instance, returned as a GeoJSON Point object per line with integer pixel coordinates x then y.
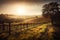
{"type": "Point", "coordinates": [36, 29]}
{"type": "Point", "coordinates": [40, 32]}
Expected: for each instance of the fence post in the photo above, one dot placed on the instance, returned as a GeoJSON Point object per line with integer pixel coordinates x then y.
{"type": "Point", "coordinates": [9, 28]}
{"type": "Point", "coordinates": [3, 26]}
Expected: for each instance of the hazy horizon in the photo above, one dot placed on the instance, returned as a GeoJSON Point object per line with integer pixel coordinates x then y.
{"type": "Point", "coordinates": [23, 7]}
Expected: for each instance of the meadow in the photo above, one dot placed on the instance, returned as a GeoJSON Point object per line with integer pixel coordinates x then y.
{"type": "Point", "coordinates": [35, 28]}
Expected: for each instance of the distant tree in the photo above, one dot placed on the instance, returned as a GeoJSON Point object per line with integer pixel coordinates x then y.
{"type": "Point", "coordinates": [2, 17]}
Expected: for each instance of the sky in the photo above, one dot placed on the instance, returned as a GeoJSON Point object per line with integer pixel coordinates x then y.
{"type": "Point", "coordinates": [23, 7]}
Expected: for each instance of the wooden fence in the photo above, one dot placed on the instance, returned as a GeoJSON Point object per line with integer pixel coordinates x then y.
{"type": "Point", "coordinates": [11, 28]}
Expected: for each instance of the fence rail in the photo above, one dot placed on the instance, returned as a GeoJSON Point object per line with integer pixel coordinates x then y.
{"type": "Point", "coordinates": [10, 28]}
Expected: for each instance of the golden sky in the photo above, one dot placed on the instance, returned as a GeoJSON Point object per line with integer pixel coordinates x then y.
{"type": "Point", "coordinates": [25, 7]}
{"type": "Point", "coordinates": [22, 8]}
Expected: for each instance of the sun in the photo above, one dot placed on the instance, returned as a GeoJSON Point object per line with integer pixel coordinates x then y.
{"type": "Point", "coordinates": [21, 10]}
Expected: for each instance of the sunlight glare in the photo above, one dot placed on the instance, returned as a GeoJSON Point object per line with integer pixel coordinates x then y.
{"type": "Point", "coordinates": [20, 10]}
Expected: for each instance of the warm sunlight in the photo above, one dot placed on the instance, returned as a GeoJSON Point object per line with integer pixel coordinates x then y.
{"type": "Point", "coordinates": [25, 9]}
{"type": "Point", "coordinates": [21, 10]}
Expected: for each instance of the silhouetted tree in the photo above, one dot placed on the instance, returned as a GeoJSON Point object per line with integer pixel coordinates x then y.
{"type": "Point", "coordinates": [52, 10]}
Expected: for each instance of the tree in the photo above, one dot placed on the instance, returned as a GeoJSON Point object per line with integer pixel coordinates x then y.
{"type": "Point", "coordinates": [51, 10]}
